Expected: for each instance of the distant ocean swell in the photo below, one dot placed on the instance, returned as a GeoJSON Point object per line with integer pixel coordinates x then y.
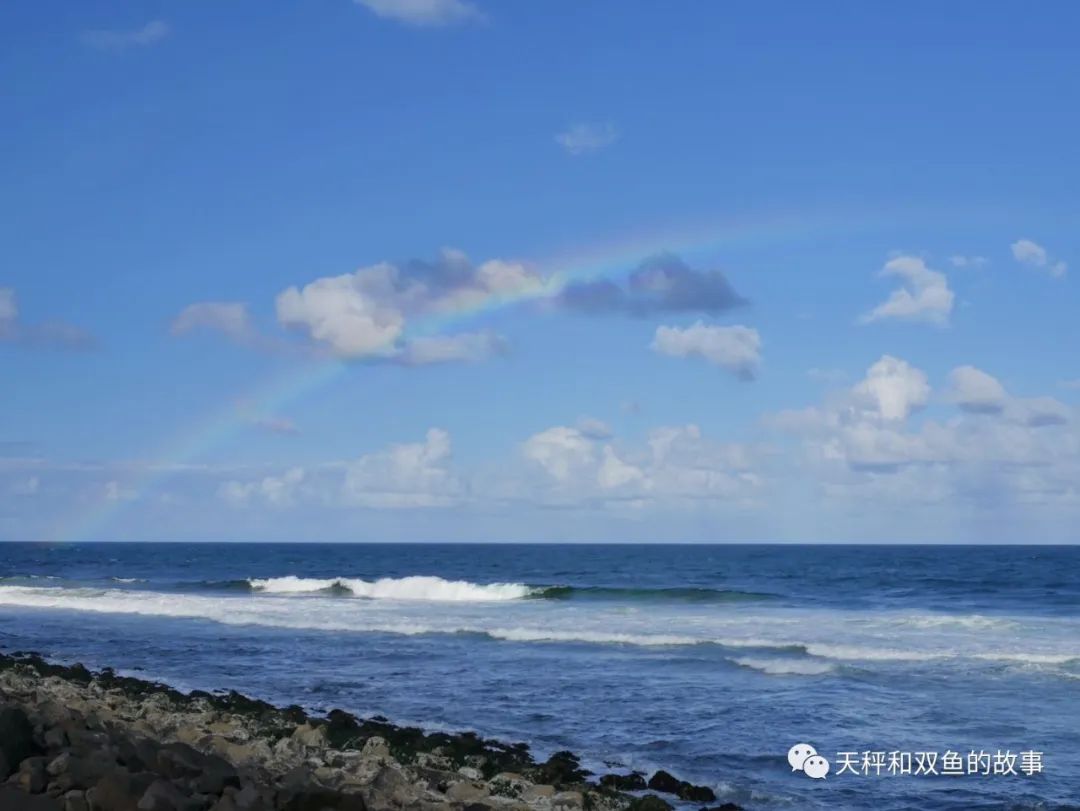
{"type": "Point", "coordinates": [420, 587]}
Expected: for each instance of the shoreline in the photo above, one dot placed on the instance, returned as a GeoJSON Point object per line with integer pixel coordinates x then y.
{"type": "Point", "coordinates": [72, 739]}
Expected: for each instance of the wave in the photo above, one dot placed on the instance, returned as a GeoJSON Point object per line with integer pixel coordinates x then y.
{"type": "Point", "coordinates": [395, 588]}
{"type": "Point", "coordinates": [786, 667]}
{"type": "Point", "coordinates": [683, 595]}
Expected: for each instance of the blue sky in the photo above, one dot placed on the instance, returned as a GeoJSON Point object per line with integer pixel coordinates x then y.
{"type": "Point", "coordinates": [449, 270]}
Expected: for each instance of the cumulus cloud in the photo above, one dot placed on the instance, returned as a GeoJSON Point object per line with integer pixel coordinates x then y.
{"type": "Point", "coordinates": [45, 335]}
{"type": "Point", "coordinates": [405, 476]}
{"type": "Point", "coordinates": [366, 314]}
{"type": "Point", "coordinates": [736, 348]}
{"type": "Point", "coordinates": [429, 13]}
{"type": "Point", "coordinates": [676, 464]}
{"type": "Point", "coordinates": [976, 391]}
{"type": "Point", "coordinates": [892, 389]}
{"type": "Point", "coordinates": [1034, 255]}
{"type": "Point", "coordinates": [924, 294]}
{"type": "Point", "coordinates": [118, 40]}
{"type": "Point", "coordinates": [275, 491]}
{"type": "Point", "coordinates": [661, 284]}
{"type": "Point", "coordinates": [579, 139]}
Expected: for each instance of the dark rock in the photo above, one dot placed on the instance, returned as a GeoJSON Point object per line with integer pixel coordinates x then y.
{"type": "Point", "coordinates": [316, 799]}
{"type": "Point", "coordinates": [650, 802]}
{"type": "Point", "coordinates": [725, 807]}
{"type": "Point", "coordinates": [72, 772]}
{"type": "Point", "coordinates": [119, 791]}
{"type": "Point", "coordinates": [11, 799]}
{"type": "Point", "coordinates": [662, 781]}
{"type": "Point", "coordinates": [161, 795]}
{"type": "Point", "coordinates": [138, 754]}
{"type": "Point", "coordinates": [16, 739]}
{"type": "Point", "coordinates": [623, 782]}
{"type": "Point", "coordinates": [32, 776]}
{"type": "Point", "coordinates": [695, 794]}
{"type": "Point", "coordinates": [560, 769]}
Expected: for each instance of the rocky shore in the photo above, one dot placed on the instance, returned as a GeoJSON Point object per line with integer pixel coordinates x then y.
{"type": "Point", "coordinates": [76, 740]}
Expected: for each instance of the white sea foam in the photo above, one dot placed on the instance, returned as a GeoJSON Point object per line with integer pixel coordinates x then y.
{"type": "Point", "coordinates": [397, 588]}
{"type": "Point", "coordinates": [786, 667]}
{"type": "Point", "coordinates": [857, 653]}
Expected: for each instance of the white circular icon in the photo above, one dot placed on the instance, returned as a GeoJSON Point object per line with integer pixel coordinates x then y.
{"type": "Point", "coordinates": [798, 754]}
{"type": "Point", "coordinates": [816, 767]}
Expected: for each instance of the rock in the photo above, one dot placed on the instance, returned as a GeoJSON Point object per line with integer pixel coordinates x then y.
{"type": "Point", "coordinates": [377, 748]}
{"type": "Point", "coordinates": [725, 807]}
{"type": "Point", "coordinates": [16, 739]}
{"type": "Point", "coordinates": [508, 784]}
{"type": "Point", "coordinates": [55, 738]}
{"type": "Point", "coordinates": [119, 791]}
{"type": "Point", "coordinates": [624, 782]}
{"type": "Point", "coordinates": [538, 793]}
{"type": "Point", "coordinates": [311, 736]}
{"type": "Point", "coordinates": [469, 773]}
{"type": "Point", "coordinates": [650, 802]}
{"type": "Point", "coordinates": [59, 764]}
{"type": "Point", "coordinates": [32, 777]}
{"type": "Point", "coordinates": [568, 800]}
{"type": "Point", "coordinates": [161, 795]}
{"type": "Point", "coordinates": [11, 799]}
{"type": "Point", "coordinates": [467, 792]}
{"type": "Point", "coordinates": [560, 769]}
{"type": "Point", "coordinates": [662, 781]}
{"type": "Point", "coordinates": [72, 772]}
{"type": "Point", "coordinates": [695, 794]}
{"type": "Point", "coordinates": [315, 799]}
{"type": "Point", "coordinates": [75, 800]}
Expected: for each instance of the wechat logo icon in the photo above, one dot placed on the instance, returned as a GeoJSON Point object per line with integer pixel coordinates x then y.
{"type": "Point", "coordinates": [804, 758]}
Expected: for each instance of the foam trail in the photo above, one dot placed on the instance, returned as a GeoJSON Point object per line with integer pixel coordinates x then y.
{"type": "Point", "coordinates": [786, 667]}
{"type": "Point", "coordinates": [397, 588]}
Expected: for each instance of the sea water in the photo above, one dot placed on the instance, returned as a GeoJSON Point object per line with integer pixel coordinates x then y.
{"type": "Point", "coordinates": [708, 661]}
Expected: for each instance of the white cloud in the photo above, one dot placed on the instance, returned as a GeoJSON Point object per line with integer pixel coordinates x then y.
{"type": "Point", "coordinates": [960, 261]}
{"type": "Point", "coordinates": [736, 348]}
{"type": "Point", "coordinates": [467, 347]}
{"type": "Point", "coordinates": [560, 451]}
{"type": "Point", "coordinates": [230, 318]}
{"type": "Point", "coordinates": [424, 12]}
{"type": "Point", "coordinates": [276, 491]}
{"type": "Point", "coordinates": [924, 294]}
{"type": "Point", "coordinates": [976, 391]}
{"type": "Point", "coordinates": [594, 428]}
{"type": "Point", "coordinates": [405, 476]}
{"type": "Point", "coordinates": [115, 40]}
{"type": "Point", "coordinates": [579, 139]}
{"type": "Point", "coordinates": [1034, 255]}
{"type": "Point", "coordinates": [47, 334]}
{"type": "Point", "coordinates": [892, 389]}
{"type": "Point", "coordinates": [366, 314]}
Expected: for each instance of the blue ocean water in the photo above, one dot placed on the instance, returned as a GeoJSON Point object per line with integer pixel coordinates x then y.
{"type": "Point", "coordinates": [709, 661]}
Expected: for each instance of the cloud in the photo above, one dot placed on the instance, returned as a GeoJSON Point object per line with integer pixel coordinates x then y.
{"type": "Point", "coordinates": [594, 428]}
{"type": "Point", "coordinates": [1035, 255]}
{"type": "Point", "coordinates": [892, 389]}
{"type": "Point", "coordinates": [275, 491]}
{"type": "Point", "coordinates": [44, 335]}
{"type": "Point", "coordinates": [579, 139]}
{"type": "Point", "coordinates": [676, 465]}
{"type": "Point", "coordinates": [365, 314]}
{"type": "Point", "coordinates": [426, 13]}
{"type": "Point", "coordinates": [976, 391]}
{"type": "Point", "coordinates": [735, 348]}
{"type": "Point", "coordinates": [468, 347]}
{"type": "Point", "coordinates": [230, 318]}
{"type": "Point", "coordinates": [975, 262]}
{"type": "Point", "coordinates": [114, 40]}
{"type": "Point", "coordinates": [405, 476]}
{"type": "Point", "coordinates": [661, 284]}
{"type": "Point", "coordinates": [924, 294]}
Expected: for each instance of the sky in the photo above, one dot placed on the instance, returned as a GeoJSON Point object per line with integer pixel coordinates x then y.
{"type": "Point", "coordinates": [470, 270]}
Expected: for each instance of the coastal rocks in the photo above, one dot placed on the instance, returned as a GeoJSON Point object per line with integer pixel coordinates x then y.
{"type": "Point", "coordinates": [666, 783]}
{"type": "Point", "coordinates": [78, 741]}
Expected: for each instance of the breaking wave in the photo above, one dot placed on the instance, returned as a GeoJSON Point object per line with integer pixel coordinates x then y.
{"type": "Point", "coordinates": [396, 588]}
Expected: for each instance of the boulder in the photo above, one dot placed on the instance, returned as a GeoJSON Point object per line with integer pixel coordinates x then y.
{"type": "Point", "coordinates": [316, 799]}
{"type": "Point", "coordinates": [119, 791]}
{"type": "Point", "coordinates": [624, 782]}
{"type": "Point", "coordinates": [568, 801]}
{"type": "Point", "coordinates": [650, 802]}
{"type": "Point", "coordinates": [32, 777]}
{"type": "Point", "coordinates": [725, 807]}
{"type": "Point", "coordinates": [11, 799]}
{"type": "Point", "coordinates": [161, 795]}
{"type": "Point", "coordinates": [75, 800]}
{"type": "Point", "coordinates": [662, 781]}
{"type": "Point", "coordinates": [16, 739]}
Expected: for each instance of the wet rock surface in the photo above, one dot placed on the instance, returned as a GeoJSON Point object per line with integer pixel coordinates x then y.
{"type": "Point", "coordinates": [73, 740]}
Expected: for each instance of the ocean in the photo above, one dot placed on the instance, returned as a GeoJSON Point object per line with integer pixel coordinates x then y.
{"type": "Point", "coordinates": [708, 661]}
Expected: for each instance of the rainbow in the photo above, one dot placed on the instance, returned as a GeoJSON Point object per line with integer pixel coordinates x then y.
{"type": "Point", "coordinates": [607, 260]}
